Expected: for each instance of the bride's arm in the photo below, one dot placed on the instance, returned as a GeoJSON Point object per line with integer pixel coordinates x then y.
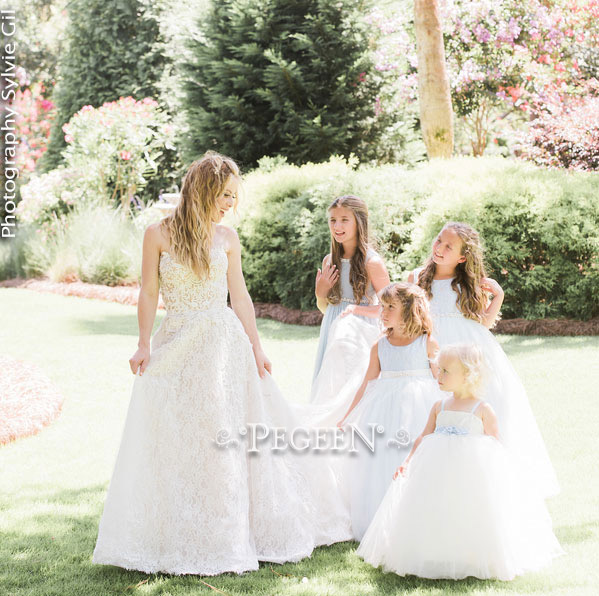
{"type": "Point", "coordinates": [241, 301]}
{"type": "Point", "coordinates": [148, 298]}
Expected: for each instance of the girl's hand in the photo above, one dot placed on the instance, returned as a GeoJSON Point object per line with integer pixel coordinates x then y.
{"type": "Point", "coordinates": [326, 279]}
{"type": "Point", "coordinates": [490, 285]}
{"type": "Point", "coordinates": [350, 310]}
{"type": "Point", "coordinates": [340, 424]}
{"type": "Point", "coordinates": [140, 360]}
{"type": "Point", "coordinates": [262, 362]}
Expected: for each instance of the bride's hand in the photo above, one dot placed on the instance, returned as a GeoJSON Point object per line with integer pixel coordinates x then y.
{"type": "Point", "coordinates": [262, 362]}
{"type": "Point", "coordinates": [140, 360]}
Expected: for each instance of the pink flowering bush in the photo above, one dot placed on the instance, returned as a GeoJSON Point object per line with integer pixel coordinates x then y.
{"type": "Point", "coordinates": [567, 136]}
{"type": "Point", "coordinates": [35, 115]}
{"type": "Point", "coordinates": [112, 152]}
{"type": "Point", "coordinates": [503, 56]}
{"type": "Point", "coordinates": [120, 144]}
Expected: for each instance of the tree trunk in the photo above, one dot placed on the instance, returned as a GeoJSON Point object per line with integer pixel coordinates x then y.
{"type": "Point", "coordinates": [436, 114]}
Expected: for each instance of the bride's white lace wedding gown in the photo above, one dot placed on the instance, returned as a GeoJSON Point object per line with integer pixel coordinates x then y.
{"type": "Point", "coordinates": [179, 503]}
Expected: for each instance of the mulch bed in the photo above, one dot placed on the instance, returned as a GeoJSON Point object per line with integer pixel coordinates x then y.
{"type": "Point", "coordinates": [128, 295]}
{"type": "Point", "coordinates": [28, 399]}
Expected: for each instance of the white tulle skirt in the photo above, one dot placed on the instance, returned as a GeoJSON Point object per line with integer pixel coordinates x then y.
{"type": "Point", "coordinates": [505, 392]}
{"type": "Point", "coordinates": [394, 411]}
{"type": "Point", "coordinates": [462, 511]}
{"type": "Point", "coordinates": [343, 367]}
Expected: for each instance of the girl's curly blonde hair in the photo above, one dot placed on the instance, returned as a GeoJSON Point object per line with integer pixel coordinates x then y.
{"type": "Point", "coordinates": [473, 363]}
{"type": "Point", "coordinates": [189, 227]}
{"type": "Point", "coordinates": [415, 316]}
{"type": "Point", "coordinates": [472, 300]}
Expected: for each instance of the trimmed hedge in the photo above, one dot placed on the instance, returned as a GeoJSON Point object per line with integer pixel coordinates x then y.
{"type": "Point", "coordinates": [540, 227]}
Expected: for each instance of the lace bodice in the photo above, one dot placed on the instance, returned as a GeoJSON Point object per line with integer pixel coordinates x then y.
{"type": "Point", "coordinates": [183, 291]}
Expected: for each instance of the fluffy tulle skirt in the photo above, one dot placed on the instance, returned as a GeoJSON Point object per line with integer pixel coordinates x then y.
{"type": "Point", "coordinates": [462, 511]}
{"type": "Point", "coordinates": [343, 354]}
{"type": "Point", "coordinates": [392, 412]}
{"type": "Point", "coordinates": [505, 392]}
{"type": "Point", "coordinates": [186, 494]}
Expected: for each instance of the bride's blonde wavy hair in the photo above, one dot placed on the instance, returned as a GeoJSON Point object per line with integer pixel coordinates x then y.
{"type": "Point", "coordinates": [189, 227]}
{"type": "Point", "coordinates": [413, 303]}
{"type": "Point", "coordinates": [472, 299]}
{"type": "Point", "coordinates": [358, 276]}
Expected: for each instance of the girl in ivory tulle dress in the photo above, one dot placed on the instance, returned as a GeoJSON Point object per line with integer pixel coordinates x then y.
{"type": "Point", "coordinates": [186, 495]}
{"type": "Point", "coordinates": [396, 395]}
{"type": "Point", "coordinates": [458, 506]}
{"type": "Point", "coordinates": [454, 280]}
{"type": "Point", "coordinates": [351, 275]}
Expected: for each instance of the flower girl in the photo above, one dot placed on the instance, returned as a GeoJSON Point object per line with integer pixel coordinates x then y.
{"type": "Point", "coordinates": [463, 509]}
{"type": "Point", "coordinates": [398, 401]}
{"type": "Point", "coordinates": [351, 275]}
{"type": "Point", "coordinates": [454, 279]}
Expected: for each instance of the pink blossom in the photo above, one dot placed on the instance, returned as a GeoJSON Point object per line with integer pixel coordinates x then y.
{"type": "Point", "coordinates": [126, 155]}
{"type": "Point", "coordinates": [482, 33]}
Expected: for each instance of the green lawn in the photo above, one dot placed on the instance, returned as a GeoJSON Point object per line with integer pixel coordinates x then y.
{"type": "Point", "coordinates": [52, 485]}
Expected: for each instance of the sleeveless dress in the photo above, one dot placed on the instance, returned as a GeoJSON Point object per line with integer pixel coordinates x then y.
{"type": "Point", "coordinates": [344, 343]}
{"type": "Point", "coordinates": [503, 388]}
{"type": "Point", "coordinates": [462, 510]}
{"type": "Point", "coordinates": [399, 401]}
{"type": "Point", "coordinates": [187, 496]}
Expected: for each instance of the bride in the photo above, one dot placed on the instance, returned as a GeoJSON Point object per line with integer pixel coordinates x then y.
{"type": "Point", "coordinates": [180, 501]}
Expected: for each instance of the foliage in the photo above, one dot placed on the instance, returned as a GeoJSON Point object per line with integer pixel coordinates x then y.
{"type": "Point", "coordinates": [35, 115]}
{"type": "Point", "coordinates": [111, 154]}
{"type": "Point", "coordinates": [92, 243]}
{"type": "Point", "coordinates": [540, 228]}
{"type": "Point", "coordinates": [566, 135]}
{"type": "Point", "coordinates": [504, 55]}
{"type": "Point", "coordinates": [121, 144]}
{"type": "Point", "coordinates": [114, 49]}
{"type": "Point", "coordinates": [282, 78]}
{"type": "Point", "coordinates": [40, 38]}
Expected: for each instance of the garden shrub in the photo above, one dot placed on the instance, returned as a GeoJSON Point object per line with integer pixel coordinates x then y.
{"type": "Point", "coordinates": [273, 77]}
{"type": "Point", "coordinates": [540, 228]}
{"type": "Point", "coordinates": [568, 137]}
{"type": "Point", "coordinates": [112, 152]}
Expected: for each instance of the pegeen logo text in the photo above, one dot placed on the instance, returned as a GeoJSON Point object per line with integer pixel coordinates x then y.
{"type": "Point", "coordinates": [259, 436]}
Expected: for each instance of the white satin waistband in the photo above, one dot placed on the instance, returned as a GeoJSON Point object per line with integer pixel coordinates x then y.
{"type": "Point", "coordinates": [418, 372]}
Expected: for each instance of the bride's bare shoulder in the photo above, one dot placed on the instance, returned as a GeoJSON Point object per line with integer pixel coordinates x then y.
{"type": "Point", "coordinates": [157, 235]}
{"type": "Point", "coordinates": [227, 237]}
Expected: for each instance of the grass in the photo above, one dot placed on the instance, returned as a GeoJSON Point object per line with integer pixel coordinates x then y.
{"type": "Point", "coordinates": [52, 485]}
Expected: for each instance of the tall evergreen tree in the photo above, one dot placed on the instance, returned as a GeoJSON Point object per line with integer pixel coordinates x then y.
{"type": "Point", "coordinates": [282, 77]}
{"type": "Point", "coordinates": [114, 49]}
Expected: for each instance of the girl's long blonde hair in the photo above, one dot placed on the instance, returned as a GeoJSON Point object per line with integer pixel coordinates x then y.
{"type": "Point", "coordinates": [472, 299]}
{"type": "Point", "coordinates": [358, 276]}
{"type": "Point", "coordinates": [189, 227]}
{"type": "Point", "coordinates": [415, 316]}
